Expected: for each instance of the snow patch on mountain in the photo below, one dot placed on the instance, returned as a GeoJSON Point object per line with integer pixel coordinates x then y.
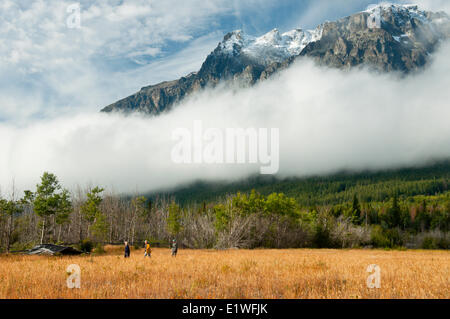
{"type": "Point", "coordinates": [403, 12]}
{"type": "Point", "coordinates": [277, 47]}
{"type": "Point", "coordinates": [404, 16]}
{"type": "Point", "coordinates": [270, 47]}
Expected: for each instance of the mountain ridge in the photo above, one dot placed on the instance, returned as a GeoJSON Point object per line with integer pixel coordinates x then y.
{"type": "Point", "coordinates": [385, 38]}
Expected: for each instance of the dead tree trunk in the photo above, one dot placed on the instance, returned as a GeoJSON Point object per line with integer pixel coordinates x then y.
{"type": "Point", "coordinates": [43, 231]}
{"type": "Point", "coordinates": [9, 233]}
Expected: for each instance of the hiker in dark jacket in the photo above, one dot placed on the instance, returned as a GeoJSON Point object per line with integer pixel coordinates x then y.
{"type": "Point", "coordinates": [174, 248]}
{"type": "Point", "coordinates": [127, 250]}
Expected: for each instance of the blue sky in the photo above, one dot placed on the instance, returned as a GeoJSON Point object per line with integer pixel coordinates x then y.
{"type": "Point", "coordinates": [48, 69]}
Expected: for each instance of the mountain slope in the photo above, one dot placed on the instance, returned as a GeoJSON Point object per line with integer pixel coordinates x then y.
{"type": "Point", "coordinates": [400, 38]}
{"type": "Point", "coordinates": [371, 187]}
{"type": "Point", "coordinates": [385, 38]}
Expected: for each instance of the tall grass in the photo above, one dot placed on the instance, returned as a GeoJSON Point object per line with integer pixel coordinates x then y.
{"type": "Point", "coordinates": [293, 273]}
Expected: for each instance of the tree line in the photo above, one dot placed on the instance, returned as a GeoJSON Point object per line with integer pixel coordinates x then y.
{"type": "Point", "coordinates": [52, 214]}
{"type": "Point", "coordinates": [328, 190]}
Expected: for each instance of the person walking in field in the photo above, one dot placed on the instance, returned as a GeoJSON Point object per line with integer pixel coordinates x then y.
{"type": "Point", "coordinates": [127, 250]}
{"type": "Point", "coordinates": [148, 250]}
{"type": "Point", "coordinates": [174, 248]}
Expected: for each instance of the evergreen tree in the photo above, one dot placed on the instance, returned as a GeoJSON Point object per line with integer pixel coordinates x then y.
{"type": "Point", "coordinates": [356, 210]}
{"type": "Point", "coordinates": [174, 219]}
{"type": "Point", "coordinates": [91, 212]}
{"type": "Point", "coordinates": [423, 219]}
{"type": "Point", "coordinates": [49, 200]}
{"type": "Point", "coordinates": [393, 216]}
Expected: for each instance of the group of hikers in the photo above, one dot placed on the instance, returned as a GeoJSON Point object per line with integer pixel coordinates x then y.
{"type": "Point", "coordinates": [148, 250]}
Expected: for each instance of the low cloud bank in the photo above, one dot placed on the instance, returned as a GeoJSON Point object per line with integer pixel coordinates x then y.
{"type": "Point", "coordinates": [328, 120]}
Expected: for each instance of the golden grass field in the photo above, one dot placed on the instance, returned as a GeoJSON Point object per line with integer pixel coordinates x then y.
{"type": "Point", "coordinates": [261, 273]}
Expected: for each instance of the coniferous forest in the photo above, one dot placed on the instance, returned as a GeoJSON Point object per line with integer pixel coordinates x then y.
{"type": "Point", "coordinates": [405, 208]}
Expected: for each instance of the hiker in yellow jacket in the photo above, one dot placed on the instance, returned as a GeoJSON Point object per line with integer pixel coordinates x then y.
{"type": "Point", "coordinates": [148, 250]}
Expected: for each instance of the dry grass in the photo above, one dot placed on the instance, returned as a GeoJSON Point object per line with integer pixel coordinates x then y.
{"type": "Point", "coordinates": [296, 273]}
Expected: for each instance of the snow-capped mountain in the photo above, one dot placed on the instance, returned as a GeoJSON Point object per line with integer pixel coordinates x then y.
{"type": "Point", "coordinates": [404, 20]}
{"type": "Point", "coordinates": [385, 37]}
{"type": "Point", "coordinates": [270, 47]}
{"type": "Point", "coordinates": [402, 13]}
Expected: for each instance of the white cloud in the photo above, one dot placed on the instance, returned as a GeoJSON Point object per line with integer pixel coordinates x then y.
{"type": "Point", "coordinates": [47, 69]}
{"type": "Point", "coordinates": [328, 120]}
{"type": "Point", "coordinates": [53, 80]}
{"type": "Point", "coordinates": [433, 5]}
{"type": "Point", "coordinates": [62, 69]}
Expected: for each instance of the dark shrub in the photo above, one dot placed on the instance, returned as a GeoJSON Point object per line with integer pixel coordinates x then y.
{"type": "Point", "coordinates": [378, 237]}
{"type": "Point", "coordinates": [394, 237]}
{"type": "Point", "coordinates": [429, 243]}
{"type": "Point", "coordinates": [386, 238]}
{"type": "Point", "coordinates": [86, 245]}
{"type": "Point", "coordinates": [322, 237]}
{"type": "Point", "coordinates": [99, 249]}
{"type": "Point", "coordinates": [443, 243]}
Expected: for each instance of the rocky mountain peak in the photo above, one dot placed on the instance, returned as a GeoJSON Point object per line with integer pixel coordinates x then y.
{"type": "Point", "coordinates": [268, 48]}
{"type": "Point", "coordinates": [385, 37]}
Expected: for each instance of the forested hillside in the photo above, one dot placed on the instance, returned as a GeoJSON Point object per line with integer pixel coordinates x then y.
{"type": "Point", "coordinates": [329, 190]}
{"type": "Point", "coordinates": [396, 208]}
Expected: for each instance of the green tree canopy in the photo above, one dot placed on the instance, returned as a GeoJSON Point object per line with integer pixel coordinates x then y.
{"type": "Point", "coordinates": [174, 219]}
{"type": "Point", "coordinates": [90, 210]}
{"type": "Point", "coordinates": [49, 199]}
